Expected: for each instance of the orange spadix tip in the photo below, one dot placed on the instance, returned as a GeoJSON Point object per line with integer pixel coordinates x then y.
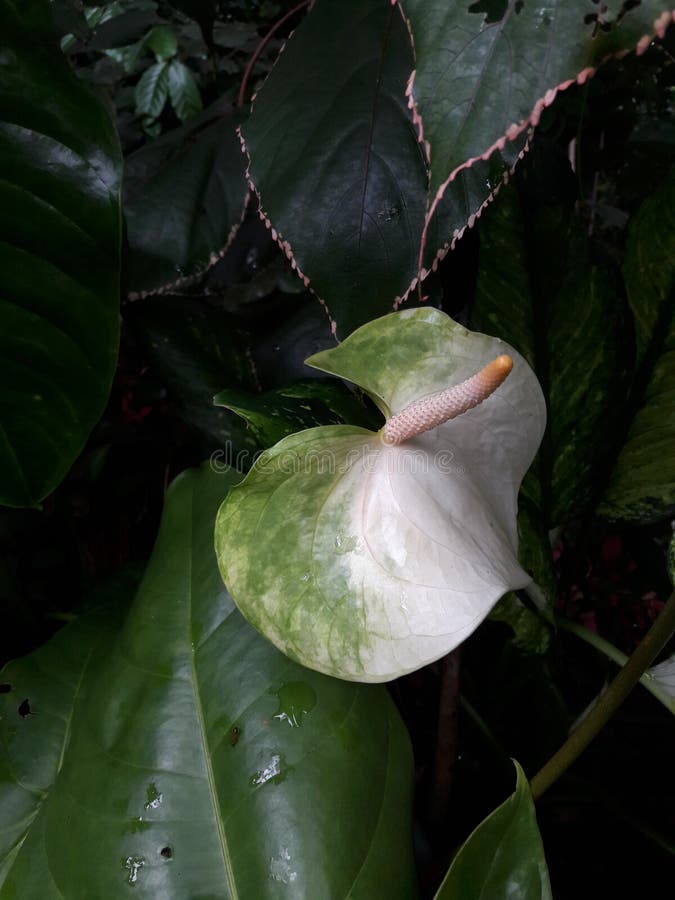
{"type": "Point", "coordinates": [503, 363]}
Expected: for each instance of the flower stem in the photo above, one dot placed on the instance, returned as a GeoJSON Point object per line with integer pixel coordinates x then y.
{"type": "Point", "coordinates": [609, 702]}
{"type": "Point", "coordinates": [611, 652]}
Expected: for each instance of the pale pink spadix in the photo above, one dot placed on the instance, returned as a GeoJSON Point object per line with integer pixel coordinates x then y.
{"type": "Point", "coordinates": [427, 413]}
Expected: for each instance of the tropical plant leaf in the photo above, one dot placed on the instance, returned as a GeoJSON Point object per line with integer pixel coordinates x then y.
{"type": "Point", "coordinates": [194, 748]}
{"type": "Point", "coordinates": [39, 695]}
{"type": "Point", "coordinates": [185, 196]}
{"type": "Point", "coordinates": [464, 200]}
{"type": "Point", "coordinates": [183, 90]}
{"type": "Point", "coordinates": [335, 159]}
{"type": "Point", "coordinates": [69, 19]}
{"type": "Point", "coordinates": [276, 414]}
{"type": "Point", "coordinates": [541, 290]}
{"type": "Point", "coordinates": [483, 74]}
{"type": "Point", "coordinates": [394, 553]}
{"type": "Point", "coordinates": [642, 484]}
{"type": "Point", "coordinates": [152, 90]}
{"type": "Point", "coordinates": [504, 854]}
{"type": "Point", "coordinates": [119, 30]}
{"type": "Point", "coordinates": [331, 156]}
{"type": "Point", "coordinates": [163, 42]}
{"type": "Point", "coordinates": [194, 349]}
{"type": "Point", "coordinates": [60, 228]}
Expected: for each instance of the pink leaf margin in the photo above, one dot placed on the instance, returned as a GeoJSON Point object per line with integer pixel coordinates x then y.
{"type": "Point", "coordinates": [188, 280]}
{"type": "Point", "coordinates": [660, 26]}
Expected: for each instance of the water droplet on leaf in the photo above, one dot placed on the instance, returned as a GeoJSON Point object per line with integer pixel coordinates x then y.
{"type": "Point", "coordinates": [296, 700]}
{"type": "Point", "coordinates": [134, 864]}
{"type": "Point", "coordinates": [153, 796]}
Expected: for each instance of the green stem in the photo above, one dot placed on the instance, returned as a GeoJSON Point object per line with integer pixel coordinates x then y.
{"type": "Point", "coordinates": [611, 652]}
{"type": "Point", "coordinates": [609, 702]}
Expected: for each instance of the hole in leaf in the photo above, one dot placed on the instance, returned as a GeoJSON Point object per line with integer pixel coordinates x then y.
{"type": "Point", "coordinates": [494, 9]}
{"type": "Point", "coordinates": [5, 687]}
{"type": "Point", "coordinates": [166, 852]}
{"type": "Point", "coordinates": [24, 709]}
{"type": "Point", "coordinates": [519, 6]}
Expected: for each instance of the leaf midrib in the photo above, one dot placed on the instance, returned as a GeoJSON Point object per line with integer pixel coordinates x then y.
{"type": "Point", "coordinates": [225, 850]}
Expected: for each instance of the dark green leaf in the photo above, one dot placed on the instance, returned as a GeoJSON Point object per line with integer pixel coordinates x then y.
{"type": "Point", "coordinates": [183, 91]}
{"type": "Point", "coordinates": [68, 17]}
{"type": "Point", "coordinates": [642, 484]}
{"type": "Point", "coordinates": [503, 857]}
{"type": "Point", "coordinates": [480, 80]}
{"type": "Point", "coordinates": [203, 12]}
{"type": "Point", "coordinates": [184, 200]}
{"type": "Point", "coordinates": [335, 157]}
{"type": "Point", "coordinates": [193, 347]}
{"type": "Point", "coordinates": [540, 290]}
{"type": "Point", "coordinates": [586, 373]}
{"type": "Point", "coordinates": [201, 762]}
{"type": "Point", "coordinates": [59, 255]}
{"type": "Point", "coordinates": [121, 30]}
{"type": "Point", "coordinates": [276, 414]}
{"type": "Point", "coordinates": [152, 90]}
{"type": "Point", "coordinates": [163, 43]}
{"type": "Point", "coordinates": [35, 728]}
{"type": "Point", "coordinates": [127, 57]}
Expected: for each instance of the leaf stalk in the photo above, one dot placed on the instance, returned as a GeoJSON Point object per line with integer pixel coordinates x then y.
{"type": "Point", "coordinates": [609, 702]}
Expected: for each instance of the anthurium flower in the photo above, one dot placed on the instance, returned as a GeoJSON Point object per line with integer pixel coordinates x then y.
{"type": "Point", "coordinates": [367, 555]}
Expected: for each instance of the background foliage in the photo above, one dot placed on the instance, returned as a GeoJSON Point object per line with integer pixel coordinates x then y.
{"type": "Point", "coordinates": [571, 262]}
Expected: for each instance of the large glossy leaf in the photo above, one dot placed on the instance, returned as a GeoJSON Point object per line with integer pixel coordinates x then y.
{"type": "Point", "coordinates": [335, 159]}
{"type": "Point", "coordinates": [201, 762]}
{"type": "Point", "coordinates": [59, 255]}
{"type": "Point", "coordinates": [37, 703]}
{"type": "Point", "coordinates": [642, 484]}
{"type": "Point", "coordinates": [503, 857]}
{"type": "Point", "coordinates": [485, 71]}
{"type": "Point", "coordinates": [331, 156]}
{"type": "Point", "coordinates": [185, 195]}
{"type": "Point", "coordinates": [542, 291]}
{"type": "Point", "coordinates": [365, 559]}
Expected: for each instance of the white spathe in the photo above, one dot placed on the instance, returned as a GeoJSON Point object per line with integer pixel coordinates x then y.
{"type": "Point", "coordinates": [398, 552]}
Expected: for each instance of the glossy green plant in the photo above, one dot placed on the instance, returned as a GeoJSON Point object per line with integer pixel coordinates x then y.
{"type": "Point", "coordinates": [61, 230]}
{"type": "Point", "coordinates": [181, 748]}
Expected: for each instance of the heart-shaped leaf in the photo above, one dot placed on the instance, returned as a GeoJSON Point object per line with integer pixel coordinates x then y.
{"type": "Point", "coordinates": [337, 166]}
{"type": "Point", "coordinates": [335, 159]}
{"type": "Point", "coordinates": [365, 559]}
{"type": "Point", "coordinates": [503, 857]}
{"type": "Point", "coordinates": [189, 758]}
{"type": "Point", "coordinates": [59, 255]}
